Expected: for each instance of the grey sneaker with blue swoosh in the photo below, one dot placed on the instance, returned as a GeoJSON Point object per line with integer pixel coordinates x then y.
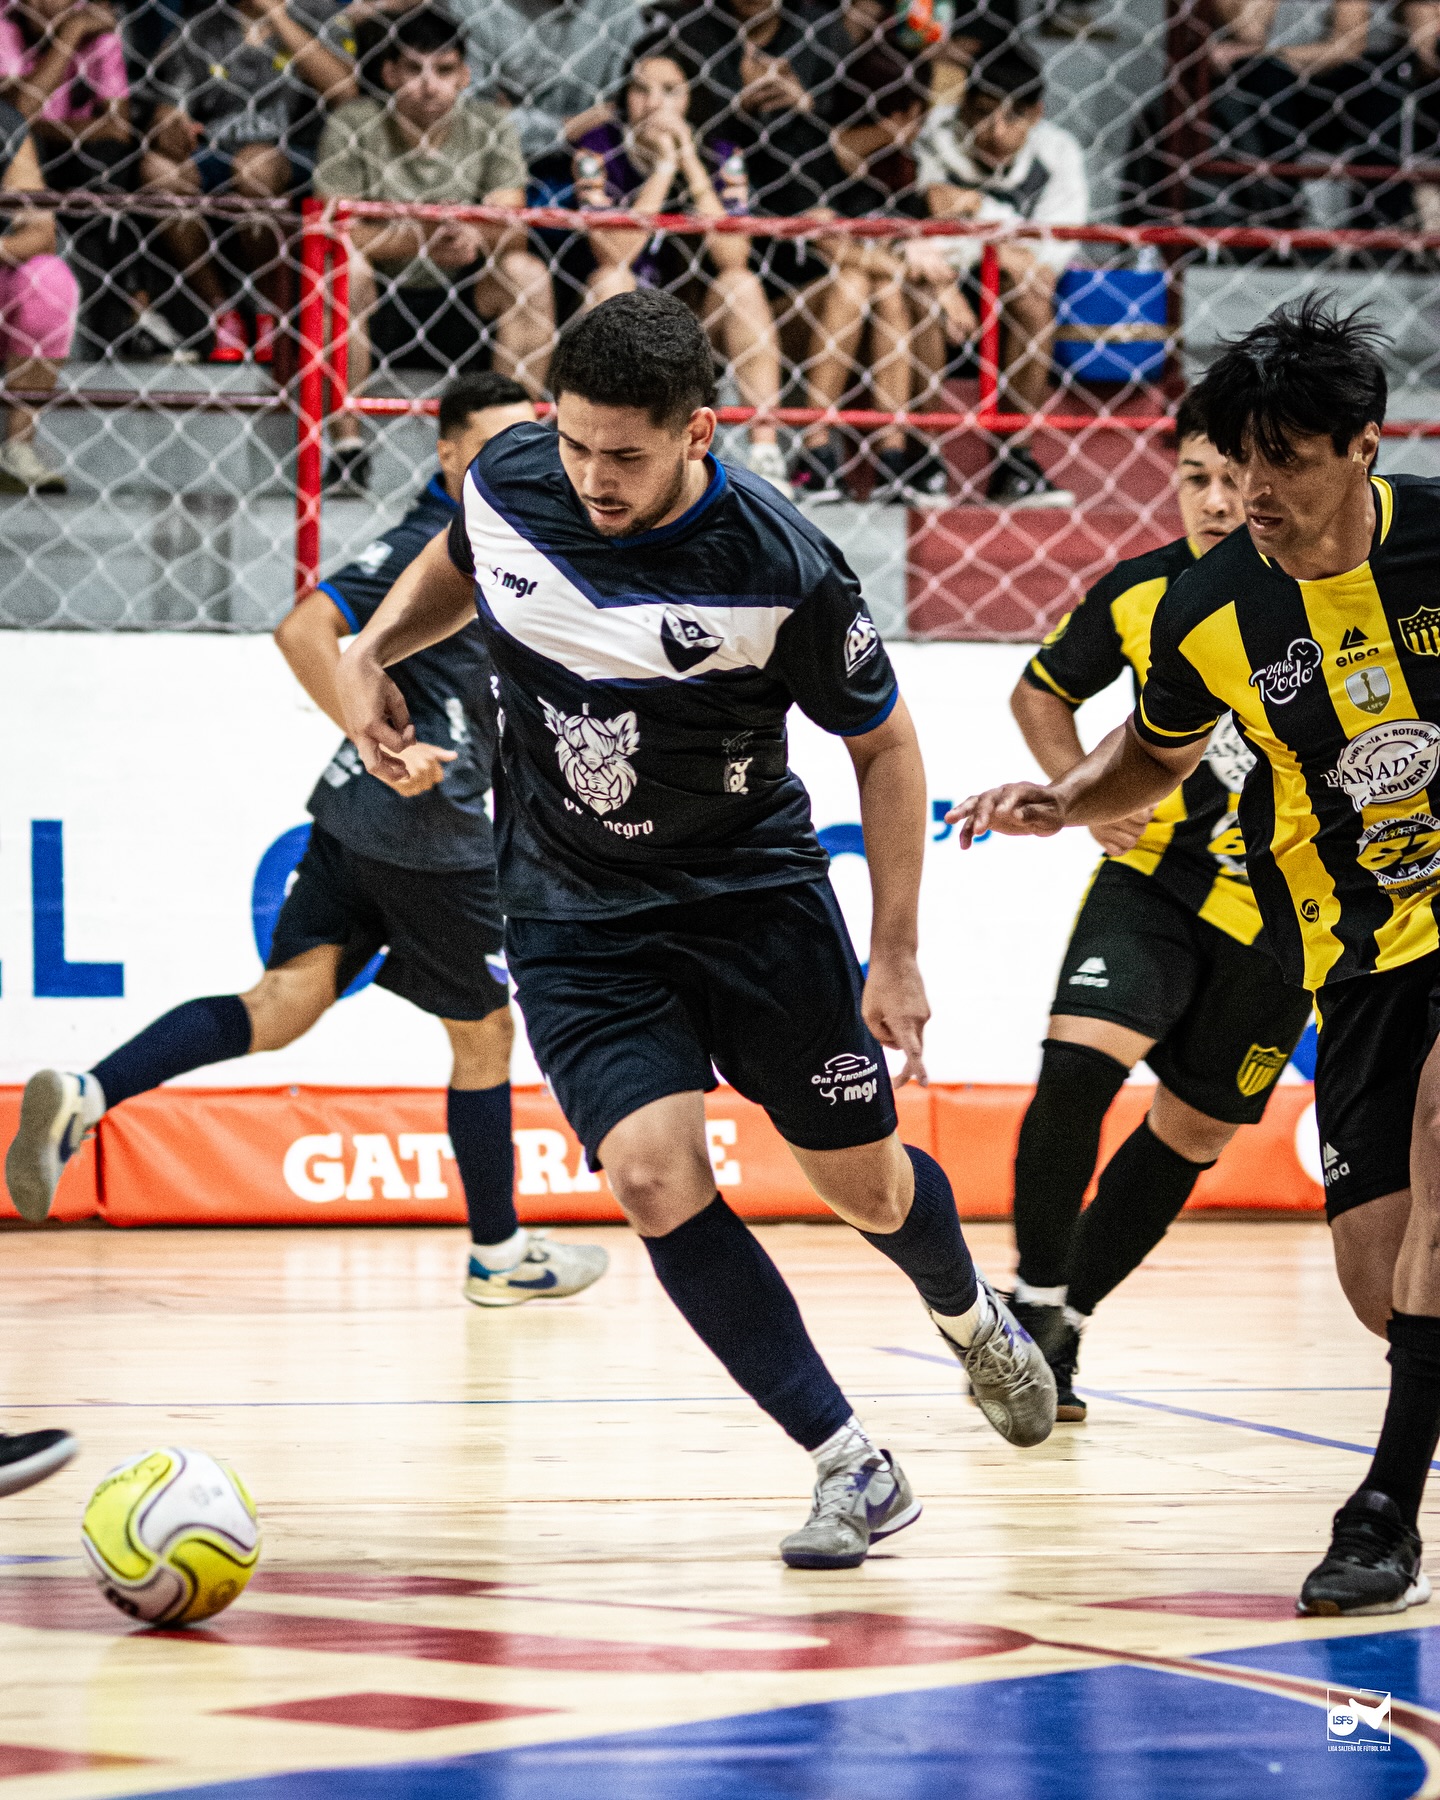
{"type": "Point", "coordinates": [547, 1271]}
{"type": "Point", "coordinates": [854, 1507]}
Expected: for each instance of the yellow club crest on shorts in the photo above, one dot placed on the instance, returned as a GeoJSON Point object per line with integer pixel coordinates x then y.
{"type": "Point", "coordinates": [1421, 631]}
{"type": "Point", "coordinates": [1261, 1065]}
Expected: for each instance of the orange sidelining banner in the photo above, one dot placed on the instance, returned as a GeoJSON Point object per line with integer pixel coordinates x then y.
{"type": "Point", "coordinates": [236, 1156]}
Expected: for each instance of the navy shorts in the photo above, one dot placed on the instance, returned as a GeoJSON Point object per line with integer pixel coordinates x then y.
{"type": "Point", "coordinates": [761, 985]}
{"type": "Point", "coordinates": [441, 926]}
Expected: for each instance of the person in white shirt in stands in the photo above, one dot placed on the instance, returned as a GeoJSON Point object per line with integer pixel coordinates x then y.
{"type": "Point", "coordinates": [994, 156]}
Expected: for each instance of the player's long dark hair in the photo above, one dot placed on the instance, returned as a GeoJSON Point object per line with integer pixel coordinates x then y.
{"type": "Point", "coordinates": [1309, 370]}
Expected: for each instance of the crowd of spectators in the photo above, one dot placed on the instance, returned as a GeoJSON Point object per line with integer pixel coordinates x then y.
{"type": "Point", "coordinates": [833, 109]}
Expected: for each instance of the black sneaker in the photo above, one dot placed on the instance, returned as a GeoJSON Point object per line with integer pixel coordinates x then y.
{"type": "Point", "coordinates": [912, 476]}
{"type": "Point", "coordinates": [29, 1456]}
{"type": "Point", "coordinates": [1372, 1565]}
{"type": "Point", "coordinates": [1059, 1343]}
{"type": "Point", "coordinates": [1018, 480]}
{"type": "Point", "coordinates": [347, 469]}
{"type": "Point", "coordinates": [815, 474]}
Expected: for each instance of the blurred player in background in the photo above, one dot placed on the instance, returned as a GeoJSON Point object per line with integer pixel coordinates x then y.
{"type": "Point", "coordinates": [1165, 962]}
{"type": "Point", "coordinates": [652, 615]}
{"type": "Point", "coordinates": [408, 864]}
{"type": "Point", "coordinates": [1317, 627]}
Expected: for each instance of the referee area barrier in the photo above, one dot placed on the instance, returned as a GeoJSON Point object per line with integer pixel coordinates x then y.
{"type": "Point", "coordinates": [366, 1156]}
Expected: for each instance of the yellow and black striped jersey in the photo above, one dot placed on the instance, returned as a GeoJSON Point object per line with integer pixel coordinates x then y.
{"type": "Point", "coordinates": [1192, 847]}
{"type": "Point", "coordinates": [1336, 685]}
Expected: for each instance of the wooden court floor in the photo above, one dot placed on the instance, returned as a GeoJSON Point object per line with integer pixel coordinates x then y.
{"type": "Point", "coordinates": [532, 1553]}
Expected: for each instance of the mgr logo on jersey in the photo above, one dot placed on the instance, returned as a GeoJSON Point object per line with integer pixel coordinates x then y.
{"type": "Point", "coordinates": [848, 1077]}
{"type": "Point", "coordinates": [1420, 633]}
{"type": "Point", "coordinates": [1262, 1064]}
{"type": "Point", "coordinates": [593, 755]}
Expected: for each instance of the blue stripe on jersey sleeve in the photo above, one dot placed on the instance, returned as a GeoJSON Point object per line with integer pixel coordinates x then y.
{"type": "Point", "coordinates": [878, 720]}
{"type": "Point", "coordinates": [341, 604]}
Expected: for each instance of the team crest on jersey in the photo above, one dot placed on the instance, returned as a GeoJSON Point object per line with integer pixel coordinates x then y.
{"type": "Point", "coordinates": [1420, 633]}
{"type": "Point", "coordinates": [862, 640]}
{"type": "Point", "coordinates": [686, 641]}
{"type": "Point", "coordinates": [1402, 853]}
{"type": "Point", "coordinates": [1369, 689]}
{"type": "Point", "coordinates": [594, 755]}
{"type": "Point", "coordinates": [848, 1077]}
{"type": "Point", "coordinates": [1260, 1068]}
{"type": "Point", "coordinates": [1229, 757]}
{"type": "Point", "coordinates": [1388, 763]}
{"type": "Point", "coordinates": [1280, 681]}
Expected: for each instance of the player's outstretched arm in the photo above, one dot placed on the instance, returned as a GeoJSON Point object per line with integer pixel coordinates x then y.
{"type": "Point", "coordinates": [1047, 724]}
{"type": "Point", "coordinates": [1121, 775]}
{"type": "Point", "coordinates": [429, 602]}
{"type": "Point", "coordinates": [891, 778]}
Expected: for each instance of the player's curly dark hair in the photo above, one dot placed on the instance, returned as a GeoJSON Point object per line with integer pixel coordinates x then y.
{"type": "Point", "coordinates": [641, 349]}
{"type": "Point", "coordinates": [1308, 370]}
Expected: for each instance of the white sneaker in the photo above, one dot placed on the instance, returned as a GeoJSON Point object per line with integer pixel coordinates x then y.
{"type": "Point", "coordinates": [547, 1271]}
{"type": "Point", "coordinates": [854, 1507]}
{"type": "Point", "coordinates": [24, 471]}
{"type": "Point", "coordinates": [1009, 1376]}
{"type": "Point", "coordinates": [55, 1113]}
{"type": "Point", "coordinates": [766, 461]}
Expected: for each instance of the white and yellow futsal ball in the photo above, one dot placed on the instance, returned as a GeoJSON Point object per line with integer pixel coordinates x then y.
{"type": "Point", "coordinates": [172, 1536]}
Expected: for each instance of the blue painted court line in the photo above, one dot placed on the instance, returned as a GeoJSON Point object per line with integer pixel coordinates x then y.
{"type": "Point", "coordinates": [6, 1561]}
{"type": "Point", "coordinates": [1182, 1412]}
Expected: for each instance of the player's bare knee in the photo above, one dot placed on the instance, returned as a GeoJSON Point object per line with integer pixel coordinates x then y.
{"type": "Point", "coordinates": [1196, 1136]}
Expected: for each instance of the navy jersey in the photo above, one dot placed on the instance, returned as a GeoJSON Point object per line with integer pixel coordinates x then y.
{"type": "Point", "coordinates": [643, 685]}
{"type": "Point", "coordinates": [447, 689]}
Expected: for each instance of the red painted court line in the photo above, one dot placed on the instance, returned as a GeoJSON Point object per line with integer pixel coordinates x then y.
{"type": "Point", "coordinates": [387, 1712]}
{"type": "Point", "coordinates": [29, 1759]}
{"type": "Point", "coordinates": [1207, 1606]}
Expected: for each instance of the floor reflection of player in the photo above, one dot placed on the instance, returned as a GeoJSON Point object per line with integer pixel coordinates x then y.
{"type": "Point", "coordinates": [1165, 962]}
{"type": "Point", "coordinates": [1316, 627]}
{"type": "Point", "coordinates": [652, 615]}
{"type": "Point", "coordinates": [408, 865]}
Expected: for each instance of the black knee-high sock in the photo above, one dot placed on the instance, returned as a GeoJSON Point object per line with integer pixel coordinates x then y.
{"type": "Point", "coordinates": [737, 1303]}
{"type": "Point", "coordinates": [930, 1246]}
{"type": "Point", "coordinates": [1055, 1158]}
{"type": "Point", "coordinates": [187, 1037]}
{"type": "Point", "coordinates": [1142, 1190]}
{"type": "Point", "coordinates": [478, 1120]}
{"type": "Point", "coordinates": [1412, 1417]}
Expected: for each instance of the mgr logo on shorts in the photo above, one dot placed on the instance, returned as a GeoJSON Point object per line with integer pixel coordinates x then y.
{"type": "Point", "coordinates": [848, 1077]}
{"type": "Point", "coordinates": [1263, 1062]}
{"type": "Point", "coordinates": [1421, 631]}
{"type": "Point", "coordinates": [1388, 763]}
{"type": "Point", "coordinates": [1402, 853]}
{"type": "Point", "coordinates": [594, 755]}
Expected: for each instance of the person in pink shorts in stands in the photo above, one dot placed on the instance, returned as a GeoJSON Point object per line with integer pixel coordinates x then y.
{"type": "Point", "coordinates": [39, 299]}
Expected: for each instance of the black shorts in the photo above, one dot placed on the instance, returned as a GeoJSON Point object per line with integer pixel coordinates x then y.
{"type": "Point", "coordinates": [1375, 1033]}
{"type": "Point", "coordinates": [433, 328]}
{"type": "Point", "coordinates": [1223, 1021]}
{"type": "Point", "coordinates": [762, 985]}
{"type": "Point", "coordinates": [440, 925]}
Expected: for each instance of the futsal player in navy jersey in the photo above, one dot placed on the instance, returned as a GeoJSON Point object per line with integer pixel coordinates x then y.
{"type": "Point", "coordinates": [408, 864]}
{"type": "Point", "coordinates": [651, 616]}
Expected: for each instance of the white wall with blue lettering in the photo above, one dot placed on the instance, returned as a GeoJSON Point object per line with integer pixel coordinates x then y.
{"type": "Point", "coordinates": [148, 775]}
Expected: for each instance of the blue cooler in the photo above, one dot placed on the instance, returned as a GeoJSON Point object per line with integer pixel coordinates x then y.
{"type": "Point", "coordinates": [1110, 324]}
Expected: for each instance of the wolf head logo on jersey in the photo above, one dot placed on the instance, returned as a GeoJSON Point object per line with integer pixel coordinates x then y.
{"type": "Point", "coordinates": [686, 641]}
{"type": "Point", "coordinates": [593, 755]}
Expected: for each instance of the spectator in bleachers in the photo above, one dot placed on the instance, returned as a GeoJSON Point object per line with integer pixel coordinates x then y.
{"type": "Point", "coordinates": [431, 142]}
{"type": "Point", "coordinates": [38, 303]}
{"type": "Point", "coordinates": [232, 89]}
{"type": "Point", "coordinates": [554, 63]}
{"type": "Point", "coordinates": [1314, 81]}
{"type": "Point", "coordinates": [651, 163]}
{"type": "Point", "coordinates": [63, 68]}
{"type": "Point", "coordinates": [995, 156]}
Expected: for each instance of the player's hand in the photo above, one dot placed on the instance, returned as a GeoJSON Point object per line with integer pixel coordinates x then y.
{"type": "Point", "coordinates": [426, 763]}
{"type": "Point", "coordinates": [377, 719]}
{"type": "Point", "coordinates": [1022, 809]}
{"type": "Point", "coordinates": [1117, 836]}
{"type": "Point", "coordinates": [896, 1010]}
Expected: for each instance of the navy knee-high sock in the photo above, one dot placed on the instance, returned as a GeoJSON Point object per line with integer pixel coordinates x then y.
{"type": "Point", "coordinates": [478, 1120]}
{"type": "Point", "coordinates": [1056, 1155]}
{"type": "Point", "coordinates": [930, 1246]}
{"type": "Point", "coordinates": [187, 1037]}
{"type": "Point", "coordinates": [737, 1303]}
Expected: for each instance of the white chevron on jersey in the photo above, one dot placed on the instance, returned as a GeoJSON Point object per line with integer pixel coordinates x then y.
{"type": "Point", "coordinates": [538, 605]}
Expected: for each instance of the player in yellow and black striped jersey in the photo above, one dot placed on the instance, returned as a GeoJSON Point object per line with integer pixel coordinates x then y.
{"type": "Point", "coordinates": [1162, 964]}
{"type": "Point", "coordinates": [1318, 628]}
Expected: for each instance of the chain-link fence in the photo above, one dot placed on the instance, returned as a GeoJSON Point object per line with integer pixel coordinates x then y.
{"type": "Point", "coordinates": [957, 267]}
